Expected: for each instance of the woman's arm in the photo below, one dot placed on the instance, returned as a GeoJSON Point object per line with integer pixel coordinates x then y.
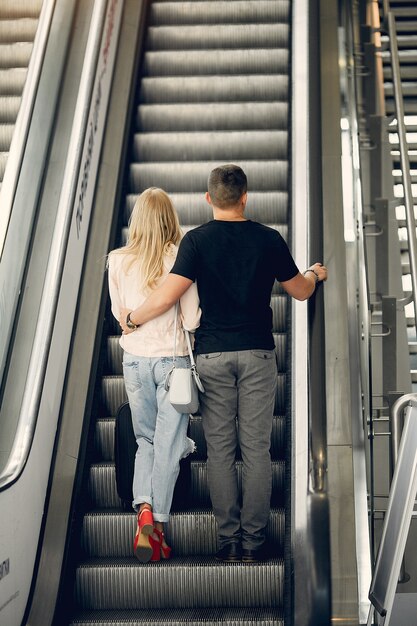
{"type": "Point", "coordinates": [116, 304]}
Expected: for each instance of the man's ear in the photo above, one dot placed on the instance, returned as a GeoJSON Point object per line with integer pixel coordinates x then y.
{"type": "Point", "coordinates": [244, 198]}
{"type": "Point", "coordinates": [208, 199]}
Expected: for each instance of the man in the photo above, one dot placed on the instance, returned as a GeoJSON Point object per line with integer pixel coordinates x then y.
{"type": "Point", "coordinates": [235, 262]}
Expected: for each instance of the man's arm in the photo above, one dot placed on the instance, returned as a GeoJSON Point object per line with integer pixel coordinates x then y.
{"type": "Point", "coordinates": [302, 286]}
{"type": "Point", "coordinates": [158, 302]}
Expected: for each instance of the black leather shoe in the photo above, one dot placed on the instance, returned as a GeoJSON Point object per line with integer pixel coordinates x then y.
{"type": "Point", "coordinates": [230, 553]}
{"type": "Point", "coordinates": [254, 556]}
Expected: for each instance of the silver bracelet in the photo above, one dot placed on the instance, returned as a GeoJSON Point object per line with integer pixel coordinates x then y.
{"type": "Point", "coordinates": [314, 272]}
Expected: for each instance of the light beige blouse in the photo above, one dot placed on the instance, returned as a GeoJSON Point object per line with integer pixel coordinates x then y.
{"type": "Point", "coordinates": [156, 337]}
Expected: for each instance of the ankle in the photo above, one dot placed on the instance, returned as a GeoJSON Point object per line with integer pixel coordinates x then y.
{"type": "Point", "coordinates": [144, 505]}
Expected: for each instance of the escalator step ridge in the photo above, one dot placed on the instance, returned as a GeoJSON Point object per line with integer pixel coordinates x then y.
{"type": "Point", "coordinates": [103, 491]}
{"type": "Point", "coordinates": [110, 533]}
{"type": "Point", "coordinates": [247, 616]}
{"type": "Point", "coordinates": [262, 206]}
{"type": "Point", "coordinates": [191, 176]}
{"type": "Point", "coordinates": [208, 62]}
{"type": "Point", "coordinates": [105, 429]}
{"type": "Point", "coordinates": [217, 36]}
{"type": "Point", "coordinates": [210, 146]}
{"type": "Point", "coordinates": [178, 583]}
{"type": "Point", "coordinates": [188, 89]}
{"type": "Point", "coordinates": [240, 116]}
{"type": "Point", "coordinates": [219, 12]}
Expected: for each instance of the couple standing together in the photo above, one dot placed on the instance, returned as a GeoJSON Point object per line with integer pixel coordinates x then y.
{"type": "Point", "coordinates": [227, 267]}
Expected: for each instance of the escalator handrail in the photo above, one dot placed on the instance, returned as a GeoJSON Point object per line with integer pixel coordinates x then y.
{"type": "Point", "coordinates": [21, 129]}
{"type": "Point", "coordinates": [309, 509]}
{"type": "Point", "coordinates": [47, 314]}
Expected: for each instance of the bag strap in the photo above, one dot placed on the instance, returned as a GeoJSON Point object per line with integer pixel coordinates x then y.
{"type": "Point", "coordinates": [187, 337]}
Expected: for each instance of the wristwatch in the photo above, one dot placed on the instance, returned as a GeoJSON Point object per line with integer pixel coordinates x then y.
{"type": "Point", "coordinates": [130, 324]}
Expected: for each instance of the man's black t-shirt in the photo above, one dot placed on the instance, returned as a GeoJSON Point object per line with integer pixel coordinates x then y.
{"type": "Point", "coordinates": [235, 265]}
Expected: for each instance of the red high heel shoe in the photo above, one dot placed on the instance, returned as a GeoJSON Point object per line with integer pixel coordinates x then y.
{"type": "Point", "coordinates": [142, 546]}
{"type": "Point", "coordinates": [164, 549]}
{"type": "Point", "coordinates": [156, 546]}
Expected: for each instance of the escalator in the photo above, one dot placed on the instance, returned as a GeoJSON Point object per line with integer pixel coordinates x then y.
{"type": "Point", "coordinates": [213, 88]}
{"type": "Point", "coordinates": [18, 24]}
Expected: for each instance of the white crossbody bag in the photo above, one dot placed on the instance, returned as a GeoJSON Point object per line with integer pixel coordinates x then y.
{"type": "Point", "coordinates": [183, 384]}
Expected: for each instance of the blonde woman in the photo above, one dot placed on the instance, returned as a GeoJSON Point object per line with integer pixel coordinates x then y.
{"type": "Point", "coordinates": [135, 270]}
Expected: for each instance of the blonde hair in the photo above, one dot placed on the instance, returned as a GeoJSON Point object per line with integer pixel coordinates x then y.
{"type": "Point", "coordinates": [153, 228]}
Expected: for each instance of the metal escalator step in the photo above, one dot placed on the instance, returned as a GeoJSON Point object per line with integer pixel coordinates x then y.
{"type": "Point", "coordinates": [113, 394]}
{"type": "Point", "coordinates": [9, 108]}
{"type": "Point", "coordinates": [188, 89]}
{"type": "Point", "coordinates": [111, 533]}
{"type": "Point", "coordinates": [15, 54]}
{"type": "Point", "coordinates": [104, 438]}
{"type": "Point", "coordinates": [6, 134]}
{"type": "Point", "coordinates": [210, 146]}
{"type": "Point", "coordinates": [210, 62]}
{"type": "Point", "coordinates": [3, 163]}
{"type": "Point", "coordinates": [247, 616]}
{"type": "Point", "coordinates": [178, 583]}
{"type": "Point", "coordinates": [12, 82]}
{"type": "Point", "coordinates": [10, 9]}
{"type": "Point", "coordinates": [224, 36]}
{"type": "Point", "coordinates": [12, 31]}
{"type": "Point", "coordinates": [405, 12]}
{"type": "Point", "coordinates": [240, 116]}
{"type": "Point", "coordinates": [281, 228]}
{"type": "Point", "coordinates": [407, 26]}
{"type": "Point", "coordinates": [192, 176]}
{"type": "Point", "coordinates": [164, 13]}
{"type": "Point", "coordinates": [408, 72]}
{"type": "Point", "coordinates": [192, 208]}
{"type": "Point", "coordinates": [103, 492]}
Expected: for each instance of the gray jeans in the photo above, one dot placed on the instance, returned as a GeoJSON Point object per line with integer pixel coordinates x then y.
{"type": "Point", "coordinates": [239, 384]}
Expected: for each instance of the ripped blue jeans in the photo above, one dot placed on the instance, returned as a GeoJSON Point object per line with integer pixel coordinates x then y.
{"type": "Point", "coordinates": [160, 431]}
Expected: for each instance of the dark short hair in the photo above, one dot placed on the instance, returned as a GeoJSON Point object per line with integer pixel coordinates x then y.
{"type": "Point", "coordinates": [226, 185]}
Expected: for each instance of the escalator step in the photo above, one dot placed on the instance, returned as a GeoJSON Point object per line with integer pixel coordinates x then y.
{"type": "Point", "coordinates": [218, 36]}
{"type": "Point", "coordinates": [178, 583]}
{"type": "Point", "coordinates": [3, 163]}
{"type": "Point", "coordinates": [9, 108]}
{"type": "Point", "coordinates": [262, 206]}
{"type": "Point", "coordinates": [104, 438]}
{"type": "Point", "coordinates": [12, 31]}
{"type": "Point", "coordinates": [103, 492]}
{"type": "Point", "coordinates": [15, 54]}
{"type": "Point", "coordinates": [210, 62]}
{"type": "Point", "coordinates": [6, 134]}
{"type": "Point", "coordinates": [10, 9]}
{"type": "Point", "coordinates": [261, 11]}
{"type": "Point", "coordinates": [111, 534]}
{"type": "Point", "coordinates": [192, 176]}
{"type": "Point", "coordinates": [12, 82]}
{"type": "Point", "coordinates": [281, 228]}
{"type": "Point", "coordinates": [210, 146]}
{"type": "Point", "coordinates": [169, 617]}
{"type": "Point", "coordinates": [240, 116]}
{"type": "Point", "coordinates": [188, 89]}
